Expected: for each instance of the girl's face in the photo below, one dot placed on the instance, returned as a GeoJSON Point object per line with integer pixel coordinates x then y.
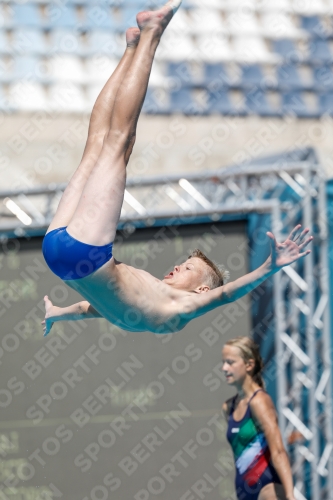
{"type": "Point", "coordinates": [233, 365]}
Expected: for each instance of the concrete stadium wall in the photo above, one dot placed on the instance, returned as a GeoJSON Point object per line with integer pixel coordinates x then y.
{"type": "Point", "coordinates": [41, 148]}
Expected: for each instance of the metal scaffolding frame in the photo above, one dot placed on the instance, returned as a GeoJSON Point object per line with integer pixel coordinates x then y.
{"type": "Point", "coordinates": [290, 192]}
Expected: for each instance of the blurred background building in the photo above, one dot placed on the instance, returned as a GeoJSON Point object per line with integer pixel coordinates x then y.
{"type": "Point", "coordinates": [256, 70]}
{"type": "Point", "coordinates": [242, 83]}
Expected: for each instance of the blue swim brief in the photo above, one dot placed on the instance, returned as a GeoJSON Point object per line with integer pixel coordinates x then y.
{"type": "Point", "coordinates": [71, 259]}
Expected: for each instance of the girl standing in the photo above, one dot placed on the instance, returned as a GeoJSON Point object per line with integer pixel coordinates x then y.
{"type": "Point", "coordinates": [262, 467]}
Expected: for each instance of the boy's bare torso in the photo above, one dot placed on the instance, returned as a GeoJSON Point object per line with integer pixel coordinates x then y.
{"type": "Point", "coordinates": [135, 300]}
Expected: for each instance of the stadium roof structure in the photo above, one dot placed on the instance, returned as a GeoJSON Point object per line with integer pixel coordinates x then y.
{"type": "Point", "coordinates": [217, 57]}
{"type": "Point", "coordinates": [289, 188]}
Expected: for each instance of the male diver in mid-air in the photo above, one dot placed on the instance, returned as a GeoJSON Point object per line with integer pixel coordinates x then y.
{"type": "Point", "coordinates": [78, 243]}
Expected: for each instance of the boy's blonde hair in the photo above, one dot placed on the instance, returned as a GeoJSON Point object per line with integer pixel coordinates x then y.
{"type": "Point", "coordinates": [216, 275]}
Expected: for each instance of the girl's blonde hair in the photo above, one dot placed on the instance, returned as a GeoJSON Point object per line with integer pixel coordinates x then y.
{"type": "Point", "coordinates": [250, 350]}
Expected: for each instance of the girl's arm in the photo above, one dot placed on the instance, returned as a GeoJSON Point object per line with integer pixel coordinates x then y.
{"type": "Point", "coordinates": [264, 412]}
{"type": "Point", "coordinates": [75, 312]}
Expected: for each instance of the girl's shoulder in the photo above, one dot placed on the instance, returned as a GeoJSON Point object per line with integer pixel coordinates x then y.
{"type": "Point", "coordinates": [260, 397]}
{"type": "Point", "coordinates": [228, 405]}
{"type": "Point", "coordinates": [260, 404]}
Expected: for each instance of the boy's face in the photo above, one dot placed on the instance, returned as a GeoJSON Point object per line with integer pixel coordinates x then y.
{"type": "Point", "coordinates": [188, 276]}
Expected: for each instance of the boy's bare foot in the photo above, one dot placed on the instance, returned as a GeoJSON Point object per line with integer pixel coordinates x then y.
{"type": "Point", "coordinates": [50, 313]}
{"type": "Point", "coordinates": [132, 37]}
{"type": "Point", "coordinates": [158, 20]}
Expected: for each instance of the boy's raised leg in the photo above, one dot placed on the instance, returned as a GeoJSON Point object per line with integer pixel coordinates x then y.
{"type": "Point", "coordinates": [96, 218]}
{"type": "Point", "coordinates": [99, 126]}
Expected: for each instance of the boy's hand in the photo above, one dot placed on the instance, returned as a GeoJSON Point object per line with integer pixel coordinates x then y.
{"type": "Point", "coordinates": [291, 250]}
{"type": "Point", "coordinates": [49, 315]}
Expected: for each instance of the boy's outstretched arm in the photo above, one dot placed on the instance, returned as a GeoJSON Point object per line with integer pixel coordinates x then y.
{"type": "Point", "coordinates": [282, 254]}
{"type": "Point", "coordinates": [75, 312]}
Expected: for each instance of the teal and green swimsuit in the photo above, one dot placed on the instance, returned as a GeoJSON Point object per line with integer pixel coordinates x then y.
{"type": "Point", "coordinates": [254, 469]}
